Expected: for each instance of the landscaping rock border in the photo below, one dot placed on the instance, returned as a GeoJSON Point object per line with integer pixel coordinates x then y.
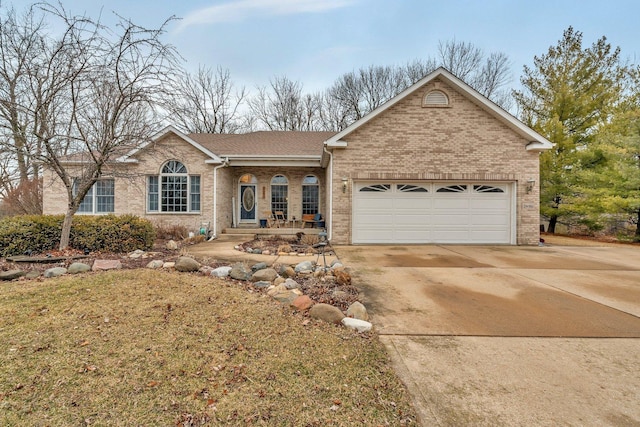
{"type": "Point", "coordinates": [305, 287]}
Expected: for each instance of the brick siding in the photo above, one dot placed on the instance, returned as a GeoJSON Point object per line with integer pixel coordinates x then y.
{"type": "Point", "coordinates": [459, 143]}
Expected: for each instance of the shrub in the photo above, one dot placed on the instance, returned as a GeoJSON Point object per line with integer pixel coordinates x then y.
{"type": "Point", "coordinates": [41, 233]}
{"type": "Point", "coordinates": [112, 233]}
{"type": "Point", "coordinates": [171, 231]}
{"type": "Point", "coordinates": [35, 233]}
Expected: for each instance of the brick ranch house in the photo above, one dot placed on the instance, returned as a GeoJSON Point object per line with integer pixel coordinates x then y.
{"type": "Point", "coordinates": [439, 163]}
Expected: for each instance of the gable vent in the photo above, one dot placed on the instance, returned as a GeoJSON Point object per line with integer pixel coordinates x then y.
{"type": "Point", "coordinates": [436, 98]}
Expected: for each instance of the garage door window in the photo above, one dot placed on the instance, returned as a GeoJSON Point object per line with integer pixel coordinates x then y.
{"type": "Point", "coordinates": [487, 189]}
{"type": "Point", "coordinates": [458, 188]}
{"type": "Point", "coordinates": [376, 188]}
{"type": "Point", "coordinates": [409, 188]}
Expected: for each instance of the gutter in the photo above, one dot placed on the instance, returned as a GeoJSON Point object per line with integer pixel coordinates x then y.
{"type": "Point", "coordinates": [330, 231]}
{"type": "Point", "coordinates": [225, 163]}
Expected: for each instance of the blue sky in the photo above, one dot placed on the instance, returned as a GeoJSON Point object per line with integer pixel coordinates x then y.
{"type": "Point", "coordinates": [316, 41]}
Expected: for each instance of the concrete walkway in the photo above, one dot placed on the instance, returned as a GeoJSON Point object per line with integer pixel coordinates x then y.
{"type": "Point", "coordinates": [222, 250]}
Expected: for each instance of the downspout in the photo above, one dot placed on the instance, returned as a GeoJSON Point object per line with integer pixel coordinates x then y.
{"type": "Point", "coordinates": [330, 232]}
{"type": "Point", "coordinates": [225, 163]}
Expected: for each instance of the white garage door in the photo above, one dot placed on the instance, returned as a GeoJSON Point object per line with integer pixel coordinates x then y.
{"type": "Point", "coordinates": [430, 212]}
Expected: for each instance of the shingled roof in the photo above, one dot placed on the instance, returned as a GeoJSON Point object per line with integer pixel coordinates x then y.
{"type": "Point", "coordinates": [264, 143]}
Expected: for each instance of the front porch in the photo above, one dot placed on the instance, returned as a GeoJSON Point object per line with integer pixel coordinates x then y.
{"type": "Point", "coordinates": [285, 230]}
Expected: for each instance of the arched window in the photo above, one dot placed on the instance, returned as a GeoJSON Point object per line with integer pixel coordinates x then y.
{"type": "Point", "coordinates": [174, 190]}
{"type": "Point", "coordinates": [280, 194]}
{"type": "Point", "coordinates": [310, 195]}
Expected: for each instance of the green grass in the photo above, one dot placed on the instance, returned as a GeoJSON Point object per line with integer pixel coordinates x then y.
{"type": "Point", "coordinates": [141, 347]}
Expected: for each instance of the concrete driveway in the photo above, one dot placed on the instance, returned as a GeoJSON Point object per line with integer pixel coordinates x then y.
{"type": "Point", "coordinates": [509, 335]}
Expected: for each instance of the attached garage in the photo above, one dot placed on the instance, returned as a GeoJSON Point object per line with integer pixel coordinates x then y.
{"type": "Point", "coordinates": [433, 212]}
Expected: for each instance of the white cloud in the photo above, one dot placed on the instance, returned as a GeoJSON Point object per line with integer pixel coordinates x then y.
{"type": "Point", "coordinates": [243, 9]}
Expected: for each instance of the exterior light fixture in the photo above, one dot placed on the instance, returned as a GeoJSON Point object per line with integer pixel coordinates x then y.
{"type": "Point", "coordinates": [530, 184]}
{"type": "Point", "coordinates": [344, 184]}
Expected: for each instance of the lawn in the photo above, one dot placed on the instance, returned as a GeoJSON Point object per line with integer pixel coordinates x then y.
{"type": "Point", "coordinates": [142, 347]}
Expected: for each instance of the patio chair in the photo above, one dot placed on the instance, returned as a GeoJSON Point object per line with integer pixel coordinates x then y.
{"type": "Point", "coordinates": [280, 219]}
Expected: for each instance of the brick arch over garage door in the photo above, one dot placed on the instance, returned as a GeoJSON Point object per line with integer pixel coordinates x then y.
{"type": "Point", "coordinates": [433, 212]}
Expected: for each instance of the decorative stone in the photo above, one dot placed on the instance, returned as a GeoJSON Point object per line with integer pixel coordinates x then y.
{"type": "Point", "coordinates": [267, 274]}
{"type": "Point", "coordinates": [172, 245]}
{"type": "Point", "coordinates": [266, 252]}
{"type": "Point", "coordinates": [155, 264]}
{"type": "Point", "coordinates": [279, 280]}
{"type": "Point", "coordinates": [221, 271]}
{"type": "Point", "coordinates": [277, 289]}
{"type": "Point", "coordinates": [287, 271]}
{"type": "Point", "coordinates": [239, 271]}
{"type": "Point", "coordinates": [357, 311]}
{"type": "Point", "coordinates": [33, 274]}
{"type": "Point", "coordinates": [335, 265]}
{"type": "Point", "coordinates": [357, 324]}
{"type": "Point", "coordinates": [55, 272]}
{"type": "Point", "coordinates": [138, 253]}
{"type": "Point", "coordinates": [11, 274]}
{"type": "Point", "coordinates": [106, 264]}
{"type": "Point", "coordinates": [262, 284]}
{"type": "Point", "coordinates": [78, 267]}
{"type": "Point", "coordinates": [257, 251]}
{"type": "Point", "coordinates": [326, 313]}
{"type": "Point", "coordinates": [302, 303]}
{"type": "Point", "coordinates": [169, 264]}
{"type": "Point", "coordinates": [258, 266]}
{"type": "Point", "coordinates": [304, 266]}
{"type": "Point", "coordinates": [291, 284]}
{"type": "Point", "coordinates": [187, 264]}
{"type": "Point", "coordinates": [285, 297]}
{"type": "Point", "coordinates": [334, 262]}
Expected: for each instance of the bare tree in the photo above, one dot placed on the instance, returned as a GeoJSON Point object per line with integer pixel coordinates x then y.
{"type": "Point", "coordinates": [359, 92]}
{"type": "Point", "coordinates": [489, 75]}
{"type": "Point", "coordinates": [90, 97]}
{"type": "Point", "coordinates": [283, 106]}
{"type": "Point", "coordinates": [417, 69]}
{"type": "Point", "coordinates": [21, 42]}
{"type": "Point", "coordinates": [206, 102]}
{"type": "Point", "coordinates": [355, 94]}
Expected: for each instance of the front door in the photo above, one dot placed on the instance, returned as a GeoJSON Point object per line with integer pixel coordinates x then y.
{"type": "Point", "coordinates": [247, 203]}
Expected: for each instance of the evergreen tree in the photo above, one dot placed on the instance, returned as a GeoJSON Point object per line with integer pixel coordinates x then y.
{"type": "Point", "coordinates": [609, 178]}
{"type": "Point", "coordinates": [568, 95]}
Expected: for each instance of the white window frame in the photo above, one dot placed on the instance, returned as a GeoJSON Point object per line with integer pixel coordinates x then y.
{"type": "Point", "coordinates": [157, 185]}
{"type": "Point", "coordinates": [92, 197]}
{"type": "Point", "coordinates": [304, 203]}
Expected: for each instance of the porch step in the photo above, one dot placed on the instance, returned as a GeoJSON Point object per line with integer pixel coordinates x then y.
{"type": "Point", "coordinates": [270, 231]}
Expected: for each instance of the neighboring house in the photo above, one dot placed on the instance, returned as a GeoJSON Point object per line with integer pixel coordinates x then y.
{"type": "Point", "coordinates": [439, 163]}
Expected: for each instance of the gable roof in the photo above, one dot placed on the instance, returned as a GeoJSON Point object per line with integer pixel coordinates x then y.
{"type": "Point", "coordinates": [537, 141]}
{"type": "Point", "coordinates": [213, 158]}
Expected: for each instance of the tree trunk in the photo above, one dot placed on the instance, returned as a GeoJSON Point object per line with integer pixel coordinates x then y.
{"type": "Point", "coordinates": [66, 230]}
{"type": "Point", "coordinates": [636, 237]}
{"type": "Point", "coordinates": [552, 224]}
